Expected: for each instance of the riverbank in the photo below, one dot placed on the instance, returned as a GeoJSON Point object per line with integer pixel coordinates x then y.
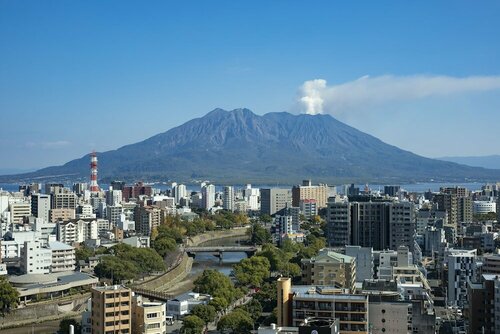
{"type": "Point", "coordinates": [178, 280]}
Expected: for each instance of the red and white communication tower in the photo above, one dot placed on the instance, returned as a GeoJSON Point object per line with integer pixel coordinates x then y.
{"type": "Point", "coordinates": [94, 188]}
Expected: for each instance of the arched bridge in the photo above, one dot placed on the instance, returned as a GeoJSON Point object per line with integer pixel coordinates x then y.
{"type": "Point", "coordinates": [219, 250]}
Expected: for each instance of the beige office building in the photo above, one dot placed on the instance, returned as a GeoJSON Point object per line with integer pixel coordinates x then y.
{"type": "Point", "coordinates": [61, 214]}
{"type": "Point", "coordinates": [330, 269]}
{"type": "Point", "coordinates": [18, 211]}
{"type": "Point", "coordinates": [111, 310]}
{"type": "Point", "coordinates": [148, 317]}
{"type": "Point", "coordinates": [308, 191]}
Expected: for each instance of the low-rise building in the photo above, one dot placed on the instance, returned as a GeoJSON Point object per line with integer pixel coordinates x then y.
{"type": "Point", "coordinates": [329, 268]}
{"type": "Point", "coordinates": [148, 317]}
{"type": "Point", "coordinates": [184, 303]}
{"type": "Point", "coordinates": [298, 303]}
{"type": "Point", "coordinates": [63, 257]}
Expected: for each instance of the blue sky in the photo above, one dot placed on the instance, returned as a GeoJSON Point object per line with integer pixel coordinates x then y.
{"type": "Point", "coordinates": [83, 75]}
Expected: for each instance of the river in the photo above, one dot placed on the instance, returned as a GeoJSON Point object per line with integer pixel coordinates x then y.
{"type": "Point", "coordinates": [204, 261]}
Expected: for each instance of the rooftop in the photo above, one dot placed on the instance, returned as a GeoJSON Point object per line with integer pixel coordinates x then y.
{"type": "Point", "coordinates": [325, 292]}
{"type": "Point", "coordinates": [56, 245]}
{"type": "Point", "coordinates": [327, 255]}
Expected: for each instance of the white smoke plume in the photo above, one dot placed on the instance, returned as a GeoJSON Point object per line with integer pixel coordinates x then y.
{"type": "Point", "coordinates": [317, 97]}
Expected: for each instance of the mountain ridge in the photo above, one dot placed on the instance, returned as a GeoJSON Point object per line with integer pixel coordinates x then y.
{"type": "Point", "coordinates": [239, 146]}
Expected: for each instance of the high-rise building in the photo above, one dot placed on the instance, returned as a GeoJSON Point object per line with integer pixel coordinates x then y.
{"type": "Point", "coordinates": [464, 209]}
{"type": "Point", "coordinates": [318, 193]}
{"type": "Point", "coordinates": [111, 310]}
{"type": "Point", "coordinates": [402, 225]}
{"type": "Point", "coordinates": [274, 200]}
{"type": "Point", "coordinates": [80, 188]}
{"type": "Point", "coordinates": [53, 188]}
{"type": "Point", "coordinates": [113, 214]}
{"type": "Point", "coordinates": [179, 191]}
{"type": "Point", "coordinates": [208, 196]}
{"type": "Point", "coordinates": [64, 200]}
{"type": "Point", "coordinates": [113, 197]}
{"type": "Point", "coordinates": [483, 305]}
{"type": "Point", "coordinates": [135, 191]}
{"type": "Point", "coordinates": [380, 225]}
{"type": "Point", "coordinates": [461, 268]}
{"type": "Point", "coordinates": [338, 221]}
{"type": "Point", "coordinates": [252, 197]}
{"type": "Point", "coordinates": [147, 218]}
{"type": "Point", "coordinates": [228, 198]}
{"type": "Point", "coordinates": [448, 203]}
{"type": "Point", "coordinates": [118, 185]}
{"type": "Point", "coordinates": [364, 261]}
{"type": "Point", "coordinates": [40, 206]}
{"type": "Point", "coordinates": [392, 191]}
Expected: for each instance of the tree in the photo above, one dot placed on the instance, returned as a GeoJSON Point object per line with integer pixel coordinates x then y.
{"type": "Point", "coordinates": [83, 253]}
{"type": "Point", "coordinates": [219, 303]}
{"type": "Point", "coordinates": [252, 271]}
{"type": "Point", "coordinates": [267, 296]}
{"type": "Point", "coordinates": [9, 296]}
{"type": "Point", "coordinates": [154, 234]}
{"type": "Point", "coordinates": [204, 312]}
{"type": "Point", "coordinates": [253, 308]}
{"type": "Point", "coordinates": [164, 245]}
{"type": "Point", "coordinates": [265, 218]}
{"type": "Point", "coordinates": [217, 284]}
{"type": "Point", "coordinates": [192, 324]}
{"type": "Point", "coordinates": [116, 269]}
{"type": "Point", "coordinates": [65, 323]}
{"type": "Point", "coordinates": [259, 235]}
{"type": "Point", "coordinates": [238, 322]}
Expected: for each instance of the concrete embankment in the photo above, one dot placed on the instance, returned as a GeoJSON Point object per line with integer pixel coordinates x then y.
{"type": "Point", "coordinates": [45, 311]}
{"type": "Point", "coordinates": [173, 277]}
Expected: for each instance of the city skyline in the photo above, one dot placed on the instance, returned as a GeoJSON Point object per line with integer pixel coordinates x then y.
{"type": "Point", "coordinates": [82, 76]}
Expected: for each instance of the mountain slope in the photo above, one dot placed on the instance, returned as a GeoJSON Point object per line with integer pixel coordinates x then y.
{"type": "Point", "coordinates": [487, 161]}
{"type": "Point", "coordinates": [238, 146]}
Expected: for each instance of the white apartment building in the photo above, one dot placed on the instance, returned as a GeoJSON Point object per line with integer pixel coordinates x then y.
{"type": "Point", "coordinates": [13, 243]}
{"type": "Point", "coordinates": [252, 197]}
{"type": "Point", "coordinates": [208, 196]}
{"type": "Point", "coordinates": [179, 192]}
{"type": "Point", "coordinates": [76, 231]}
{"type": "Point", "coordinates": [63, 257]}
{"type": "Point", "coordinates": [35, 258]}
